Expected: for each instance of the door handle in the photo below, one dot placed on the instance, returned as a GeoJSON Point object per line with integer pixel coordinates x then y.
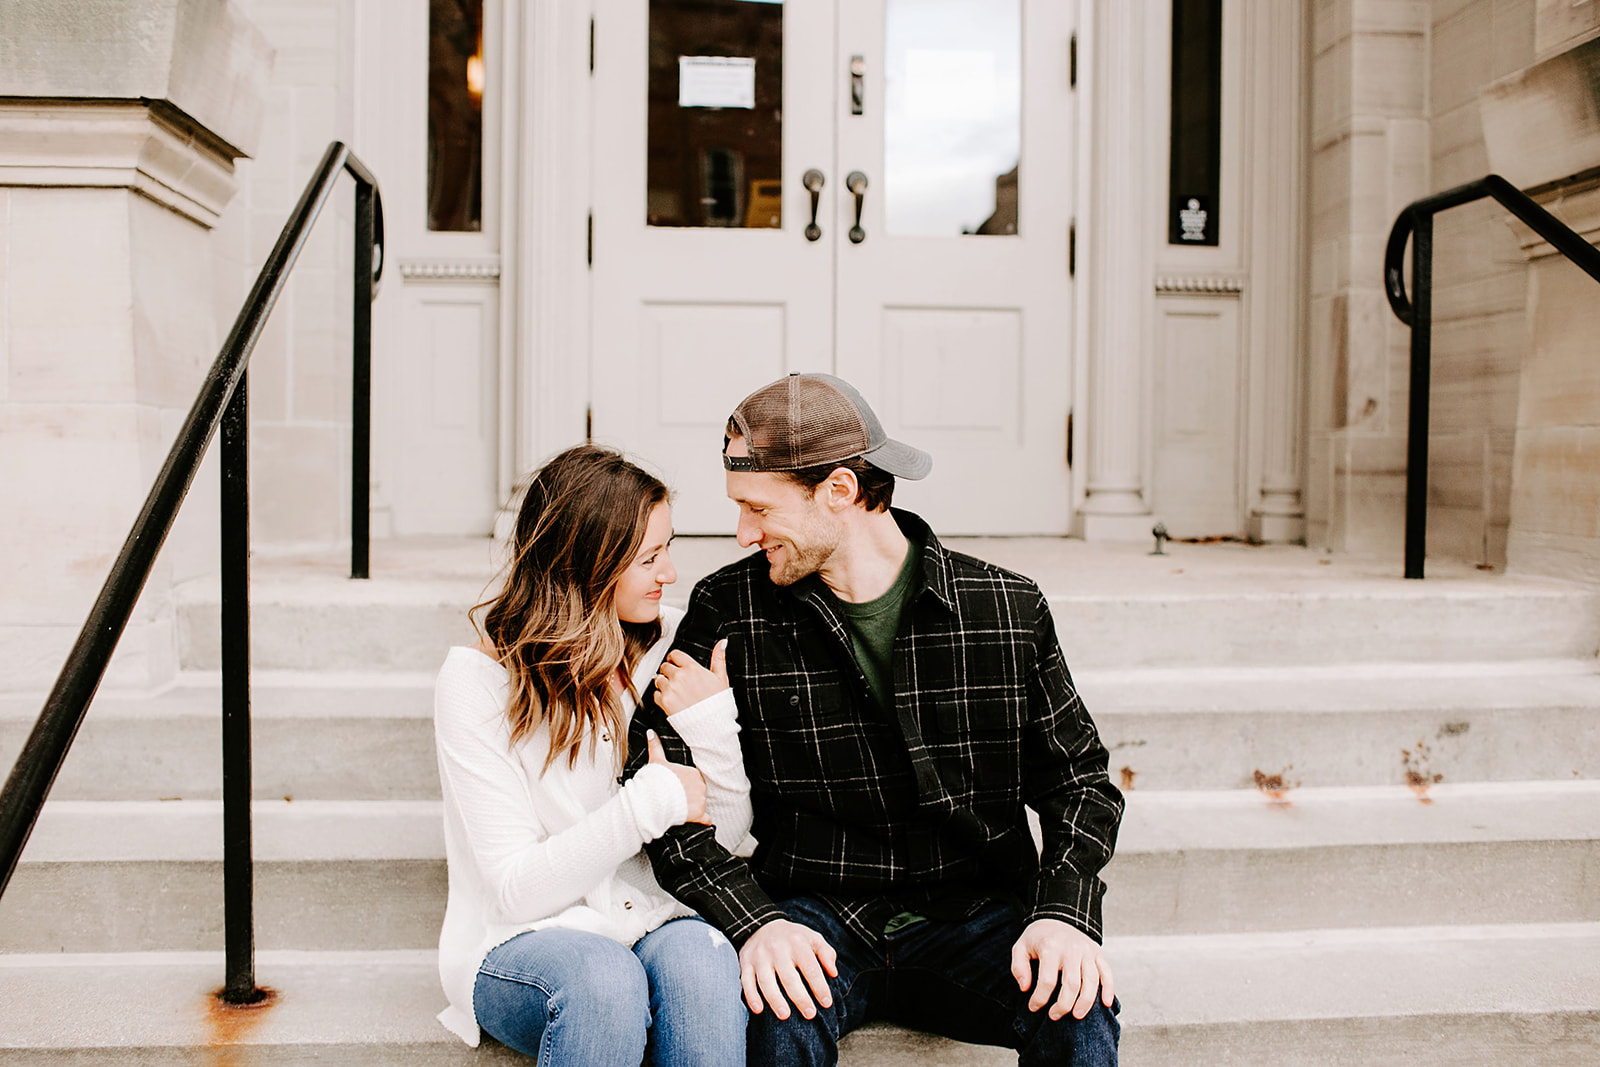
{"type": "Point", "coordinates": [813, 181]}
{"type": "Point", "coordinates": [856, 182]}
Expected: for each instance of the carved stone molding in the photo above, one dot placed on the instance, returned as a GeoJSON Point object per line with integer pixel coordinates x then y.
{"type": "Point", "coordinates": [1541, 125]}
{"type": "Point", "coordinates": [1575, 202]}
{"type": "Point", "coordinates": [202, 59]}
{"type": "Point", "coordinates": [1219, 284]}
{"type": "Point", "coordinates": [450, 269]}
{"type": "Point", "coordinates": [147, 148]}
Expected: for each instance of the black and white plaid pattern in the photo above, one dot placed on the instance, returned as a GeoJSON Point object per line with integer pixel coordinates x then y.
{"type": "Point", "coordinates": [879, 813]}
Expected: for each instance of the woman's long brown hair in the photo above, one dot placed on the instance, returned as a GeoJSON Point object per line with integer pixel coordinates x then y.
{"type": "Point", "coordinates": [554, 625]}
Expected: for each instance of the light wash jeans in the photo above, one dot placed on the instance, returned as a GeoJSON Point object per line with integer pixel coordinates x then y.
{"type": "Point", "coordinates": [580, 999]}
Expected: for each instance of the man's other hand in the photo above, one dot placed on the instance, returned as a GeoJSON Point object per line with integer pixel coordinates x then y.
{"type": "Point", "coordinates": [1067, 957]}
{"type": "Point", "coordinates": [784, 957]}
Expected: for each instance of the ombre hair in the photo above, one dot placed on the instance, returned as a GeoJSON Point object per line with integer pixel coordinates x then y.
{"type": "Point", "coordinates": [554, 626]}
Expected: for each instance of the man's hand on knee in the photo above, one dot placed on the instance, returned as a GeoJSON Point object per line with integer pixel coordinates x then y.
{"type": "Point", "coordinates": [784, 957]}
{"type": "Point", "coordinates": [1067, 957]}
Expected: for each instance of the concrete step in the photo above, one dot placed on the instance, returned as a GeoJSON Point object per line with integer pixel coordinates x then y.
{"type": "Point", "coordinates": [1475, 995]}
{"type": "Point", "coordinates": [369, 735]}
{"type": "Point", "coordinates": [1348, 724]}
{"type": "Point", "coordinates": [322, 736]}
{"type": "Point", "coordinates": [1114, 605]}
{"type": "Point", "coordinates": [140, 876]}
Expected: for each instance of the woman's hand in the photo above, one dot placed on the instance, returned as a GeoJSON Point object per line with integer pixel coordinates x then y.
{"type": "Point", "coordinates": [683, 683]}
{"type": "Point", "coordinates": [694, 783]}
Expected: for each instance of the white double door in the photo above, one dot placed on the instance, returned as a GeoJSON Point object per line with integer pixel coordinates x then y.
{"type": "Point", "coordinates": [951, 314]}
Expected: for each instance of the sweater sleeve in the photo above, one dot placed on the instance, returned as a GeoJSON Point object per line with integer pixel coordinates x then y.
{"type": "Point", "coordinates": [711, 730]}
{"type": "Point", "coordinates": [529, 872]}
{"type": "Point", "coordinates": [690, 861]}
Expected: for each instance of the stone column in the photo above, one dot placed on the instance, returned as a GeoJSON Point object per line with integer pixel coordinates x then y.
{"type": "Point", "coordinates": [1276, 66]}
{"type": "Point", "coordinates": [120, 121]}
{"type": "Point", "coordinates": [1115, 507]}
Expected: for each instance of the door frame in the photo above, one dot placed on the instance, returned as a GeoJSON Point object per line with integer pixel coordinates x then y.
{"type": "Point", "coordinates": [552, 295]}
{"type": "Point", "coordinates": [388, 87]}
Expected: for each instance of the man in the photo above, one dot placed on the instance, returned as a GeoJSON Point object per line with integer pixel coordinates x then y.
{"type": "Point", "coordinates": [900, 706]}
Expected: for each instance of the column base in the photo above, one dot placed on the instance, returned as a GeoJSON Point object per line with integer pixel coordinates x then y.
{"type": "Point", "coordinates": [1277, 529]}
{"type": "Point", "coordinates": [1124, 528]}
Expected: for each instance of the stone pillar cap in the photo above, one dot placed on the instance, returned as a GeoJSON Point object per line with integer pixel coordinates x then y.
{"type": "Point", "coordinates": [202, 57]}
{"type": "Point", "coordinates": [1542, 124]}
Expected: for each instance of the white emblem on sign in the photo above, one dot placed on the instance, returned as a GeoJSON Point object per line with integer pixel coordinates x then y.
{"type": "Point", "coordinates": [1193, 221]}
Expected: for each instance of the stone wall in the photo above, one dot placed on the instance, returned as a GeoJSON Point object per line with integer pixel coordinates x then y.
{"type": "Point", "coordinates": [1369, 158]}
{"type": "Point", "coordinates": [1480, 287]}
{"type": "Point", "coordinates": [1542, 128]}
{"type": "Point", "coordinates": [110, 187]}
{"type": "Point", "coordinates": [1397, 113]}
{"type": "Point", "coordinates": [300, 373]}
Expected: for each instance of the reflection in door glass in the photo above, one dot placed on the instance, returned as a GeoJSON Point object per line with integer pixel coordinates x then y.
{"type": "Point", "coordinates": [953, 116]}
{"type": "Point", "coordinates": [716, 113]}
{"type": "Point", "coordinates": [455, 115]}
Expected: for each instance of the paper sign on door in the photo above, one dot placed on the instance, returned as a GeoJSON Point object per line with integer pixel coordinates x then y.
{"type": "Point", "coordinates": [716, 81]}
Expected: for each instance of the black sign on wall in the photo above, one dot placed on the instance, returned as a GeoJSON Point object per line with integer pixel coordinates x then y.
{"type": "Point", "coordinates": [1195, 172]}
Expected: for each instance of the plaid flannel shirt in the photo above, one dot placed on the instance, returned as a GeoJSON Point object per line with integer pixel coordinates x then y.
{"type": "Point", "coordinates": [877, 810]}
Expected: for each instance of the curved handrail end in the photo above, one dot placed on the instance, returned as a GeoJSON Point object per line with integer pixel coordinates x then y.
{"type": "Point", "coordinates": [1394, 266]}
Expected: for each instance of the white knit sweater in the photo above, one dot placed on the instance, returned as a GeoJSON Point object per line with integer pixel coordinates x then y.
{"type": "Point", "coordinates": [530, 848]}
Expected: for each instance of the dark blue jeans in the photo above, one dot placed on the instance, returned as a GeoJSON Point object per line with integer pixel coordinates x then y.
{"type": "Point", "coordinates": [949, 978]}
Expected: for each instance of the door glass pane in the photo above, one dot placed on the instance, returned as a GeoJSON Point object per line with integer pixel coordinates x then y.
{"type": "Point", "coordinates": [455, 115]}
{"type": "Point", "coordinates": [1194, 183]}
{"type": "Point", "coordinates": [953, 116]}
{"type": "Point", "coordinates": [716, 113]}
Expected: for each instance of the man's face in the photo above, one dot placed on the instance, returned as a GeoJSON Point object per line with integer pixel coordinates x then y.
{"type": "Point", "coordinates": [798, 534]}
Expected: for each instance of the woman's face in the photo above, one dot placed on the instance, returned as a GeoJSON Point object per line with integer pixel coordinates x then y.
{"type": "Point", "coordinates": [639, 589]}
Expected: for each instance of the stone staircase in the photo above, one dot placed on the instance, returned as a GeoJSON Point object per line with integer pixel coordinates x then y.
{"type": "Point", "coordinates": [1363, 821]}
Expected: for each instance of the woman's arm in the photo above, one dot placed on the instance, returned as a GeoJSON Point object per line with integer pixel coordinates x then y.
{"type": "Point", "coordinates": [531, 873]}
{"type": "Point", "coordinates": [711, 730]}
{"type": "Point", "coordinates": [703, 712]}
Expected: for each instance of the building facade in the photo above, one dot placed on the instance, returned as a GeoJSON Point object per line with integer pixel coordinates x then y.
{"type": "Point", "coordinates": [1113, 263]}
{"type": "Point", "coordinates": [1023, 300]}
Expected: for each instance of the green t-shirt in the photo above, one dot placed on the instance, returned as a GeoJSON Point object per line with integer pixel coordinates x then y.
{"type": "Point", "coordinates": [873, 626]}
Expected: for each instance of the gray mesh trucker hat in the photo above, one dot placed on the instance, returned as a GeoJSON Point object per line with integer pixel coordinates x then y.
{"type": "Point", "coordinates": [807, 420]}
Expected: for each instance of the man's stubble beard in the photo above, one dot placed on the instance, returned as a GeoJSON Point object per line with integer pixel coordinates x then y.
{"type": "Point", "coordinates": [822, 541]}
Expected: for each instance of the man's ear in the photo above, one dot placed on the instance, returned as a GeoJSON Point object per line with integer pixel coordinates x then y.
{"type": "Point", "coordinates": [841, 488]}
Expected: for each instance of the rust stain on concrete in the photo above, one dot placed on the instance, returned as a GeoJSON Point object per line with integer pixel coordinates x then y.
{"type": "Point", "coordinates": [230, 1025]}
{"type": "Point", "coordinates": [1416, 762]}
{"type": "Point", "coordinates": [1275, 787]}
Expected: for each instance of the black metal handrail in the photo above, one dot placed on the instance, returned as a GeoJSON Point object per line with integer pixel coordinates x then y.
{"type": "Point", "coordinates": [1415, 224]}
{"type": "Point", "coordinates": [222, 400]}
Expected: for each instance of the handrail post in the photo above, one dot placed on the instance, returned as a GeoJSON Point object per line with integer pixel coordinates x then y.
{"type": "Point", "coordinates": [1417, 424]}
{"type": "Point", "coordinates": [361, 385]}
{"type": "Point", "coordinates": [238, 877]}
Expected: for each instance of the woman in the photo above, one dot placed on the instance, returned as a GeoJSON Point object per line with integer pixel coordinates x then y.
{"type": "Point", "coordinates": [557, 941]}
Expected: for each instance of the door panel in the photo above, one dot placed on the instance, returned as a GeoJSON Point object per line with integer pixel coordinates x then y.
{"type": "Point", "coordinates": [1196, 415]}
{"type": "Point", "coordinates": [952, 315]}
{"type": "Point", "coordinates": [709, 302]}
{"type": "Point", "coordinates": [954, 311]}
{"type": "Point", "coordinates": [446, 484]}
